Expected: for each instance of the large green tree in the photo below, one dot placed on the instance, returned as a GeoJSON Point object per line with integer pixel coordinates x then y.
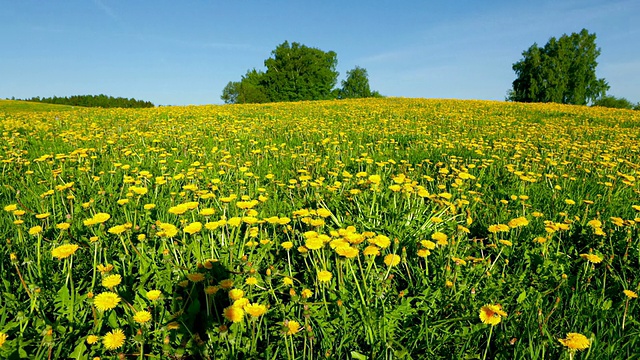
{"type": "Point", "coordinates": [297, 72]}
{"type": "Point", "coordinates": [563, 71]}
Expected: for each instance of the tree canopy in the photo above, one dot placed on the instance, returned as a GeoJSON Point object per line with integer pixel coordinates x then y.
{"type": "Point", "coordinates": [563, 71]}
{"type": "Point", "coordinates": [356, 85]}
{"type": "Point", "coordinates": [296, 72]}
{"type": "Point", "coordinates": [101, 100]}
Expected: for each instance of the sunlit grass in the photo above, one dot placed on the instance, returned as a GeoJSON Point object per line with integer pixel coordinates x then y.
{"type": "Point", "coordinates": [344, 229]}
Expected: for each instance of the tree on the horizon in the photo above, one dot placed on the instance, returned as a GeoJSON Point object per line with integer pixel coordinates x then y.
{"type": "Point", "coordinates": [563, 71]}
{"type": "Point", "coordinates": [356, 85]}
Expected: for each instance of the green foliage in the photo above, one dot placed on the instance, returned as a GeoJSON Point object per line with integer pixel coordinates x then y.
{"type": "Point", "coordinates": [297, 72]}
{"type": "Point", "coordinates": [611, 101]}
{"type": "Point", "coordinates": [563, 71]}
{"type": "Point", "coordinates": [356, 85]}
{"type": "Point", "coordinates": [102, 101]}
{"type": "Point", "coordinates": [248, 90]}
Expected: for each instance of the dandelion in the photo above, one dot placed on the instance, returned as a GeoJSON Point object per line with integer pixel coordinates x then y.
{"type": "Point", "coordinates": [64, 251]}
{"type": "Point", "coordinates": [142, 317]}
{"type": "Point", "coordinates": [195, 277]}
{"type": "Point", "coordinates": [63, 226]}
{"type": "Point", "coordinates": [193, 228]}
{"type": "Point", "coordinates": [291, 327]}
{"type": "Point", "coordinates": [255, 310]}
{"type": "Point", "coordinates": [35, 230]}
{"type": "Point", "coordinates": [324, 276]}
{"type": "Point", "coordinates": [153, 295]}
{"type": "Point", "coordinates": [492, 314]}
{"type": "Point", "coordinates": [234, 314]}
{"type": "Point", "coordinates": [575, 341]}
{"type": "Point", "coordinates": [3, 336]}
{"type": "Point", "coordinates": [112, 281]}
{"type": "Point", "coordinates": [440, 238]}
{"type": "Point", "coordinates": [92, 339]}
{"type": "Point", "coordinates": [117, 230]}
{"type": "Point", "coordinates": [235, 294]}
{"type": "Point", "coordinates": [592, 258]}
{"type": "Point", "coordinates": [106, 301]}
{"type": "Point", "coordinates": [11, 208]}
{"type": "Point", "coordinates": [306, 293]}
{"type": "Point", "coordinates": [251, 281]}
{"type": "Point", "coordinates": [630, 294]}
{"type": "Point", "coordinates": [392, 260]}
{"type": "Point", "coordinates": [226, 283]}
{"type": "Point", "coordinates": [114, 339]}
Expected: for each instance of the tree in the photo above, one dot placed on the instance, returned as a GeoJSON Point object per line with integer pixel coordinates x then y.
{"type": "Point", "coordinates": [296, 72]}
{"type": "Point", "coordinates": [248, 90]}
{"type": "Point", "coordinates": [356, 85]}
{"type": "Point", "coordinates": [563, 71]}
{"type": "Point", "coordinates": [611, 101]}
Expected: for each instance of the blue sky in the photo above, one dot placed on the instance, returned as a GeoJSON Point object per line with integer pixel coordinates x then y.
{"type": "Point", "coordinates": [185, 52]}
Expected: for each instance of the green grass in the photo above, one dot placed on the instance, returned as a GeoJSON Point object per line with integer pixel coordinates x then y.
{"type": "Point", "coordinates": [17, 105]}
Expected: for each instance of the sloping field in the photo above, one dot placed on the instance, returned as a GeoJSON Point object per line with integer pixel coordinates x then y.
{"type": "Point", "coordinates": [392, 228]}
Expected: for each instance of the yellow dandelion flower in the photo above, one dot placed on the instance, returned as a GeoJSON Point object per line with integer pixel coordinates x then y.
{"type": "Point", "coordinates": [193, 228]}
{"type": "Point", "coordinates": [153, 295]}
{"type": "Point", "coordinates": [111, 281]}
{"type": "Point", "coordinates": [64, 251]}
{"type": "Point", "coordinates": [255, 310]}
{"type": "Point", "coordinates": [392, 260]}
{"type": "Point", "coordinates": [195, 277]}
{"type": "Point", "coordinates": [235, 294]}
{"type": "Point", "coordinates": [492, 314]}
{"type": "Point", "coordinates": [92, 339]}
{"type": "Point", "coordinates": [11, 207]}
{"type": "Point", "coordinates": [63, 226]}
{"type": "Point", "coordinates": [575, 341]}
{"type": "Point", "coordinates": [117, 230]}
{"type": "Point", "coordinates": [324, 276]}
{"type": "Point", "coordinates": [630, 294]}
{"type": "Point", "coordinates": [106, 301]}
{"type": "Point", "coordinates": [314, 243]}
{"type": "Point", "coordinates": [371, 251]}
{"type": "Point", "coordinates": [226, 284]}
{"type": "Point", "coordinates": [251, 281]}
{"type": "Point", "coordinates": [592, 258]}
{"type": "Point", "coordinates": [35, 230]}
{"type": "Point", "coordinates": [306, 293]}
{"type": "Point", "coordinates": [210, 290]}
{"type": "Point", "coordinates": [3, 336]}
{"type": "Point", "coordinates": [142, 317]}
{"type": "Point", "coordinates": [234, 314]}
{"type": "Point", "coordinates": [114, 339]}
{"type": "Point", "coordinates": [440, 238]}
{"type": "Point", "coordinates": [292, 327]}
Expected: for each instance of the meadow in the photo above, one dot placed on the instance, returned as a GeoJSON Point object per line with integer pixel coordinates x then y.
{"type": "Point", "coordinates": [360, 229]}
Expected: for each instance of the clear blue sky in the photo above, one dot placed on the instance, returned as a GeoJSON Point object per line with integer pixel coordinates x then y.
{"type": "Point", "coordinates": [185, 52]}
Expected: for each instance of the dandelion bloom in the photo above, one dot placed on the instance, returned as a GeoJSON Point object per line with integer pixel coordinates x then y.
{"type": "Point", "coordinates": [234, 314]}
{"type": "Point", "coordinates": [226, 283]}
{"type": "Point", "coordinates": [35, 230]}
{"type": "Point", "coordinates": [255, 309]}
{"type": "Point", "coordinates": [193, 228]}
{"type": "Point", "coordinates": [292, 327]}
{"type": "Point", "coordinates": [392, 260]}
{"type": "Point", "coordinates": [92, 339]}
{"type": "Point", "coordinates": [3, 336]}
{"type": "Point", "coordinates": [630, 294]}
{"type": "Point", "coordinates": [64, 251]}
{"type": "Point", "coordinates": [592, 258]}
{"type": "Point", "coordinates": [63, 226]}
{"type": "Point", "coordinates": [314, 243]}
{"type": "Point", "coordinates": [235, 294]}
{"type": "Point", "coordinates": [287, 245]}
{"type": "Point", "coordinates": [111, 281]}
{"type": "Point", "coordinates": [575, 341]}
{"type": "Point", "coordinates": [306, 293]}
{"type": "Point", "coordinates": [117, 230]}
{"type": "Point", "coordinates": [11, 207]}
{"type": "Point", "coordinates": [106, 301]}
{"type": "Point", "coordinates": [492, 314]}
{"type": "Point", "coordinates": [195, 277]}
{"type": "Point", "coordinates": [251, 281]}
{"type": "Point", "coordinates": [113, 339]}
{"type": "Point", "coordinates": [440, 238]}
{"type": "Point", "coordinates": [324, 276]}
{"type": "Point", "coordinates": [142, 317]}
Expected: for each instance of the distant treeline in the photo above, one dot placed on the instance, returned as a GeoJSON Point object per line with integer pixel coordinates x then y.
{"type": "Point", "coordinates": [101, 100]}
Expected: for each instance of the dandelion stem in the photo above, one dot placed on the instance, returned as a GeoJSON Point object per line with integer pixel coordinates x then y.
{"type": "Point", "coordinates": [486, 350]}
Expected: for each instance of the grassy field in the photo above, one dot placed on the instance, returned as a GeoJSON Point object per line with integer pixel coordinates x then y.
{"type": "Point", "coordinates": [372, 229]}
